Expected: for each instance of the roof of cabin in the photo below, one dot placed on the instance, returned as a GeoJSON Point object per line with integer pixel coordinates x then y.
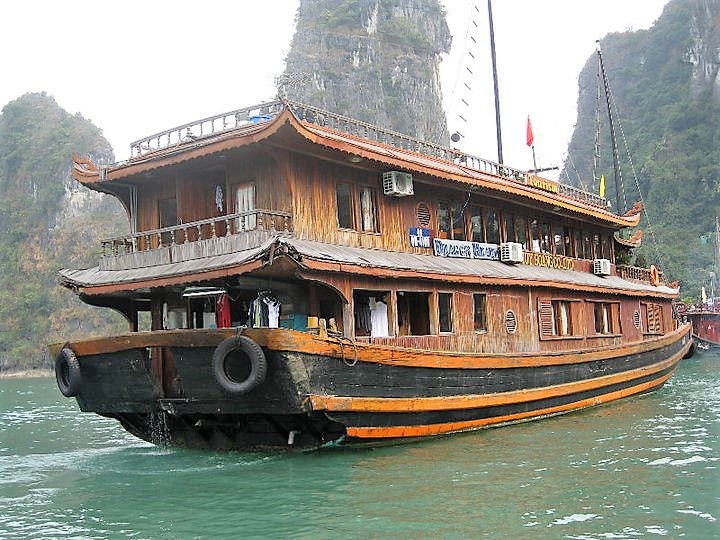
{"type": "Point", "coordinates": [297, 129]}
{"type": "Point", "coordinates": [322, 257]}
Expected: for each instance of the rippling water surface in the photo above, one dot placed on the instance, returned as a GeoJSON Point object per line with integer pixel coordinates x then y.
{"type": "Point", "coordinates": [644, 467]}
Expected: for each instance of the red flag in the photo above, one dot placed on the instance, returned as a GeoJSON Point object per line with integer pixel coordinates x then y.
{"type": "Point", "coordinates": [530, 138]}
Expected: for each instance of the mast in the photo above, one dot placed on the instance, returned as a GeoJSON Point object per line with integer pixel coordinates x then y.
{"type": "Point", "coordinates": [616, 161]}
{"type": "Point", "coordinates": [495, 84]}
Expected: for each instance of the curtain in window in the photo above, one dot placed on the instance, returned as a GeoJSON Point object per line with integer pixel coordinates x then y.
{"type": "Point", "coordinates": [367, 208]}
{"type": "Point", "coordinates": [245, 202]}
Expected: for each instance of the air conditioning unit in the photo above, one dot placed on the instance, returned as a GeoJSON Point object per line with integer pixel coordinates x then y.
{"type": "Point", "coordinates": [511, 252]}
{"type": "Point", "coordinates": [397, 183]}
{"type": "Point", "coordinates": [601, 267]}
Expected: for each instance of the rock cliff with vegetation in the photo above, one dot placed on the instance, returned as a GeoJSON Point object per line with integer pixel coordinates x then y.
{"type": "Point", "coordinates": [373, 60]}
{"type": "Point", "coordinates": [47, 221]}
{"type": "Point", "coordinates": [666, 93]}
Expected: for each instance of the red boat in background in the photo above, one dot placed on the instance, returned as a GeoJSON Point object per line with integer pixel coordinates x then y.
{"type": "Point", "coordinates": [705, 317]}
{"type": "Point", "coordinates": [705, 320]}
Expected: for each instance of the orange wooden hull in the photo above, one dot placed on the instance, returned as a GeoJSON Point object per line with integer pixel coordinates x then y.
{"type": "Point", "coordinates": [323, 391]}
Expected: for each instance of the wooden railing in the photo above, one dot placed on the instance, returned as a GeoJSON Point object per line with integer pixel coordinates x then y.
{"type": "Point", "coordinates": [635, 273]}
{"type": "Point", "coordinates": [205, 229]}
{"type": "Point", "coordinates": [307, 113]}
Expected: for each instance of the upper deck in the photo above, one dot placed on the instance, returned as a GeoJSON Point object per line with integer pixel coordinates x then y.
{"type": "Point", "coordinates": [229, 182]}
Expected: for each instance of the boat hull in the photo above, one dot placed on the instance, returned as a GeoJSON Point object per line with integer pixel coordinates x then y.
{"type": "Point", "coordinates": [706, 328]}
{"type": "Point", "coordinates": [324, 391]}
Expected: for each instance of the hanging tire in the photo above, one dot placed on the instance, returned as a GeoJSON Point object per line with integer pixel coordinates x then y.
{"type": "Point", "coordinates": [239, 365]}
{"type": "Point", "coordinates": [67, 373]}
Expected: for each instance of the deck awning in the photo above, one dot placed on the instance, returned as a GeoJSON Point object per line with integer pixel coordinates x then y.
{"type": "Point", "coordinates": [318, 257]}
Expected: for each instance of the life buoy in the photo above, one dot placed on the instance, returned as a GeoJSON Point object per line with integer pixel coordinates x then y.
{"type": "Point", "coordinates": [231, 375]}
{"type": "Point", "coordinates": [654, 275]}
{"type": "Point", "coordinates": [67, 372]}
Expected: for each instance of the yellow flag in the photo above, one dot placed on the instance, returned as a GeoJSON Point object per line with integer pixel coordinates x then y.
{"type": "Point", "coordinates": [602, 185]}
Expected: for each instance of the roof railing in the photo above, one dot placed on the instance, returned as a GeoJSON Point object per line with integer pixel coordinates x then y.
{"type": "Point", "coordinates": [264, 112]}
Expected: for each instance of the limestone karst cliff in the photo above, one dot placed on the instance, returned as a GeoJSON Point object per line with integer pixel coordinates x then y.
{"type": "Point", "coordinates": [374, 60]}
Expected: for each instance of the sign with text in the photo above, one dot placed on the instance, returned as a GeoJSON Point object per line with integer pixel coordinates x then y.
{"type": "Point", "coordinates": [542, 183]}
{"type": "Point", "coordinates": [419, 237]}
{"type": "Point", "coordinates": [548, 261]}
{"type": "Point", "coordinates": [465, 250]}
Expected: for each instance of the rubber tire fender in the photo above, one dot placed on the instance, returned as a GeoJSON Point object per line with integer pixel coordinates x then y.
{"type": "Point", "coordinates": [254, 353]}
{"type": "Point", "coordinates": [67, 372]}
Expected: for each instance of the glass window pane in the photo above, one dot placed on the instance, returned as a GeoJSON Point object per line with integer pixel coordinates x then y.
{"type": "Point", "coordinates": [443, 220]}
{"type": "Point", "coordinates": [535, 234]}
{"type": "Point", "coordinates": [476, 224]}
{"type": "Point", "coordinates": [480, 314]}
{"type": "Point", "coordinates": [521, 231]}
{"type": "Point", "coordinates": [445, 311]}
{"type": "Point", "coordinates": [367, 209]}
{"type": "Point", "coordinates": [344, 206]}
{"type": "Point", "coordinates": [493, 227]}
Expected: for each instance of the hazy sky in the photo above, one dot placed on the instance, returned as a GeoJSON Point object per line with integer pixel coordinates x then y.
{"type": "Point", "coordinates": [135, 67]}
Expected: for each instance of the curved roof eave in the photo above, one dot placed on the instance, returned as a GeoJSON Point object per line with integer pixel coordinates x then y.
{"type": "Point", "coordinates": [88, 173]}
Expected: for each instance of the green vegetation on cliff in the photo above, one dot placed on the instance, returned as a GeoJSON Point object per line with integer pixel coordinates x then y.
{"type": "Point", "coordinates": [665, 88]}
{"type": "Point", "coordinates": [47, 222]}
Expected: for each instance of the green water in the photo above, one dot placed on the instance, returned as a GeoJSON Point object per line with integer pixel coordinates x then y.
{"type": "Point", "coordinates": [645, 467]}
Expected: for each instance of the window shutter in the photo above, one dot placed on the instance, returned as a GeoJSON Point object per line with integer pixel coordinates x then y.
{"type": "Point", "coordinates": [545, 317]}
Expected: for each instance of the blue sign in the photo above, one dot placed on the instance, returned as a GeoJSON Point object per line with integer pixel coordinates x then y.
{"type": "Point", "coordinates": [465, 250]}
{"type": "Point", "coordinates": [419, 237]}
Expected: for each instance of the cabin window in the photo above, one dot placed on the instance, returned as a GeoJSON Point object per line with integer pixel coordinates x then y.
{"type": "Point", "coordinates": [480, 312]}
{"type": "Point", "coordinates": [344, 206]}
{"type": "Point", "coordinates": [370, 309]}
{"type": "Point", "coordinates": [349, 200]}
{"type": "Point", "coordinates": [520, 228]}
{"type": "Point", "coordinates": [167, 212]}
{"type": "Point", "coordinates": [492, 227]}
{"type": "Point", "coordinates": [561, 316]}
{"type": "Point", "coordinates": [535, 235]}
{"type": "Point", "coordinates": [587, 245]}
{"type": "Point", "coordinates": [445, 312]}
{"type": "Point", "coordinates": [579, 245]}
{"type": "Point", "coordinates": [597, 246]}
{"type": "Point", "coordinates": [413, 313]}
{"type": "Point", "coordinates": [556, 318]}
{"type": "Point", "coordinates": [558, 240]}
{"type": "Point", "coordinates": [605, 246]}
{"type": "Point", "coordinates": [368, 209]}
{"type": "Point", "coordinates": [451, 222]}
{"type": "Point", "coordinates": [476, 225]}
{"type": "Point", "coordinates": [545, 240]}
{"type": "Point", "coordinates": [653, 318]}
{"type": "Point", "coordinates": [607, 317]}
{"type": "Point", "coordinates": [245, 205]}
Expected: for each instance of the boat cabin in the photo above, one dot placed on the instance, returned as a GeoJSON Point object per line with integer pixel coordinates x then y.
{"type": "Point", "coordinates": [286, 215]}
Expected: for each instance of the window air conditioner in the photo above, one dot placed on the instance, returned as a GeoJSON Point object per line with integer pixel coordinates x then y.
{"type": "Point", "coordinates": [397, 183]}
{"type": "Point", "coordinates": [511, 252]}
{"type": "Point", "coordinates": [601, 267]}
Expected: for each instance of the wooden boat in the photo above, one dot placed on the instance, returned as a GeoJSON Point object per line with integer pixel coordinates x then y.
{"type": "Point", "coordinates": [705, 316]}
{"type": "Point", "coordinates": [297, 279]}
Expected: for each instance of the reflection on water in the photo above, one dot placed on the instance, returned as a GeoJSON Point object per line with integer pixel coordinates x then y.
{"type": "Point", "coordinates": [646, 466]}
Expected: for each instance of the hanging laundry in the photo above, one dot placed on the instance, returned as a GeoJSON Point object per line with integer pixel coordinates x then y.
{"type": "Point", "coordinates": [219, 198]}
{"type": "Point", "coordinates": [222, 311]}
{"type": "Point", "coordinates": [379, 318]}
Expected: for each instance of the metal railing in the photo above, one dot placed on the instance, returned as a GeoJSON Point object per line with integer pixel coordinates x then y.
{"type": "Point", "coordinates": [204, 127]}
{"type": "Point", "coordinates": [204, 229]}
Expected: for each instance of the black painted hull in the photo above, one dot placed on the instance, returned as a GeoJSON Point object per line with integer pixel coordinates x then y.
{"type": "Point", "coordinates": [310, 399]}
